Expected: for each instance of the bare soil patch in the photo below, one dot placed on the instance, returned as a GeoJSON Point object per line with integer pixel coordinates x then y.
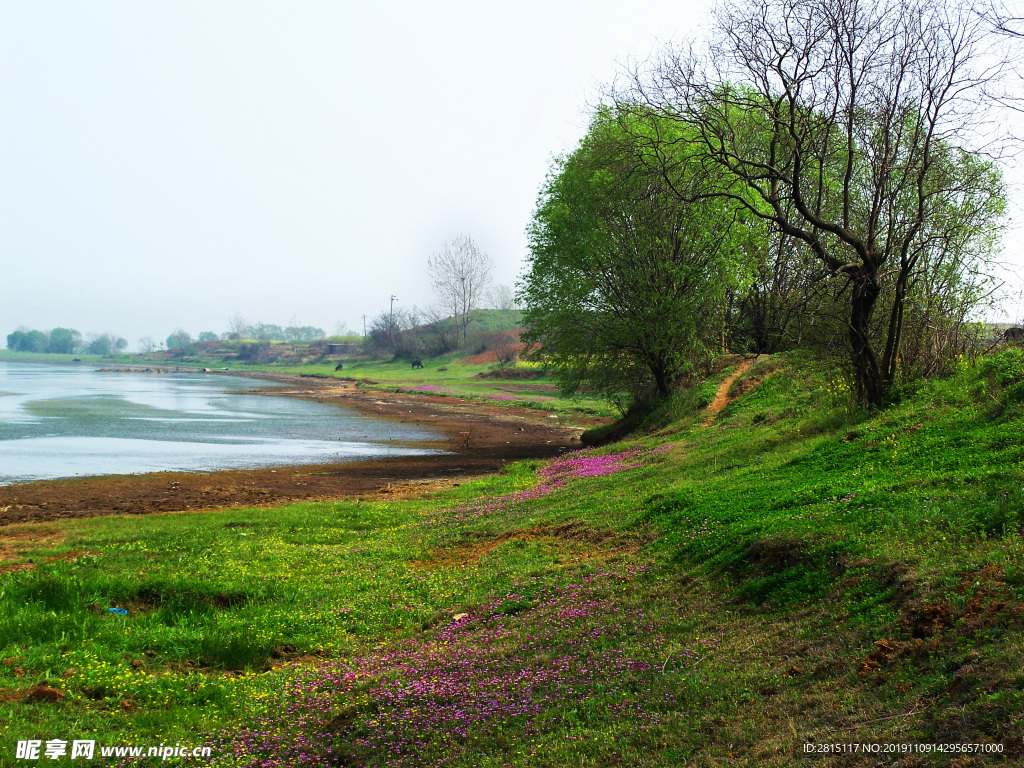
{"type": "Point", "coordinates": [39, 692]}
{"type": "Point", "coordinates": [491, 355]}
{"type": "Point", "coordinates": [481, 437]}
{"type": "Point", "coordinates": [17, 542]}
{"type": "Point", "coordinates": [935, 627]}
{"type": "Point", "coordinates": [722, 395]}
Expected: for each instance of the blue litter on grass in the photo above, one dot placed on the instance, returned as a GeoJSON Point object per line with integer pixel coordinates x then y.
{"type": "Point", "coordinates": [118, 611]}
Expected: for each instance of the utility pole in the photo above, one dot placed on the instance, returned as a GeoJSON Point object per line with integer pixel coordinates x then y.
{"type": "Point", "coordinates": [364, 326]}
{"type": "Point", "coordinates": [393, 300]}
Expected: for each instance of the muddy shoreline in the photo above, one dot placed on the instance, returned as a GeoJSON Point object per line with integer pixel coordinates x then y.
{"type": "Point", "coordinates": [481, 439]}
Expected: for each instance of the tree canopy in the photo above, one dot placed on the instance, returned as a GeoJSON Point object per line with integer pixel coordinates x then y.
{"type": "Point", "coordinates": [60, 340]}
{"type": "Point", "coordinates": [179, 342]}
{"type": "Point", "coordinates": [624, 282]}
{"type": "Point", "coordinates": [842, 123]}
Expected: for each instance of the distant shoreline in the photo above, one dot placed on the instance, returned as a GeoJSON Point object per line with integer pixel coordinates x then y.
{"type": "Point", "coordinates": [482, 439]}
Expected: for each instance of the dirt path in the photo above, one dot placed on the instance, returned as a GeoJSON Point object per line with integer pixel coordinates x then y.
{"type": "Point", "coordinates": [722, 395]}
{"type": "Point", "coordinates": [481, 439]}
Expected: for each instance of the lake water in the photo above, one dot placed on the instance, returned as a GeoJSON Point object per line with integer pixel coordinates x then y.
{"type": "Point", "coordinates": [62, 421]}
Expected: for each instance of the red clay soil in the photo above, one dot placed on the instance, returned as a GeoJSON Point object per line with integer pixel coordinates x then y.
{"type": "Point", "coordinates": [481, 437]}
{"type": "Point", "coordinates": [491, 355]}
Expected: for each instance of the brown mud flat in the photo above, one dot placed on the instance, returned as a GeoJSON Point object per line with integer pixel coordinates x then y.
{"type": "Point", "coordinates": [481, 439]}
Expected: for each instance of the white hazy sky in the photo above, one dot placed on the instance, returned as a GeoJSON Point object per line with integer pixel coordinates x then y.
{"type": "Point", "coordinates": [167, 164]}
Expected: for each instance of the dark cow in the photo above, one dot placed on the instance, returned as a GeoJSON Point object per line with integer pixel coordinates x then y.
{"type": "Point", "coordinates": [417, 363]}
{"type": "Point", "coordinates": [1013, 335]}
{"type": "Point", "coordinates": [338, 367]}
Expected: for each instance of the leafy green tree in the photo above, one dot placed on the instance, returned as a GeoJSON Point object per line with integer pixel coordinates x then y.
{"type": "Point", "coordinates": [24, 340]}
{"type": "Point", "coordinates": [100, 345]}
{"type": "Point", "coordinates": [296, 332]}
{"type": "Point", "coordinates": [208, 336]}
{"type": "Point", "coordinates": [937, 283]}
{"type": "Point", "coordinates": [15, 340]}
{"type": "Point", "coordinates": [64, 340]}
{"type": "Point", "coordinates": [179, 342]}
{"type": "Point", "coordinates": [267, 332]}
{"type": "Point", "coordinates": [36, 341]}
{"type": "Point", "coordinates": [829, 119]}
{"type": "Point", "coordinates": [625, 285]}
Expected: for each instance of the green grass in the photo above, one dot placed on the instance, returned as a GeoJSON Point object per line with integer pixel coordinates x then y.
{"type": "Point", "coordinates": [449, 376]}
{"type": "Point", "coordinates": [797, 571]}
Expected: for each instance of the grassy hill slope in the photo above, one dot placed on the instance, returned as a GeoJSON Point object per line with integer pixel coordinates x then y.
{"type": "Point", "coordinates": [718, 591]}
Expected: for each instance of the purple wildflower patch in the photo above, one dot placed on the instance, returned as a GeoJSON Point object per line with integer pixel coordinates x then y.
{"type": "Point", "coordinates": [556, 474]}
{"type": "Point", "coordinates": [515, 663]}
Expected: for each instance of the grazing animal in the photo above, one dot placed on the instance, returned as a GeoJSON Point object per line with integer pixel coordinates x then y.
{"type": "Point", "coordinates": [1013, 335]}
{"type": "Point", "coordinates": [338, 367]}
{"type": "Point", "coordinates": [417, 363]}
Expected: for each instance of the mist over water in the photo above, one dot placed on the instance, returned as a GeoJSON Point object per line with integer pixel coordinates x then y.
{"type": "Point", "coordinates": [65, 421]}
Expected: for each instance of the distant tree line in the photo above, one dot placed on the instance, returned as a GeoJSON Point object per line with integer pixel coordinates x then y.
{"type": "Point", "coordinates": [66, 341]}
{"type": "Point", "coordinates": [252, 343]}
{"type": "Point", "coordinates": [239, 328]}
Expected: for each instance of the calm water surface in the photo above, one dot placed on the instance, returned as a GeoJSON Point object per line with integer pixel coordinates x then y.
{"type": "Point", "coordinates": [61, 421]}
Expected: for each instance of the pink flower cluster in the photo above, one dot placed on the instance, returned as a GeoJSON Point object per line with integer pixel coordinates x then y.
{"type": "Point", "coordinates": [512, 665]}
{"type": "Point", "coordinates": [556, 474]}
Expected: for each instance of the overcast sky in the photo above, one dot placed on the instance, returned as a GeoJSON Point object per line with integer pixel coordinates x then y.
{"type": "Point", "coordinates": [167, 164]}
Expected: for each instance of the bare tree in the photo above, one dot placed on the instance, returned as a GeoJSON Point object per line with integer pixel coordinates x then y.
{"type": "Point", "coordinates": [501, 297]}
{"type": "Point", "coordinates": [506, 348]}
{"type": "Point", "coordinates": [845, 123]}
{"type": "Point", "coordinates": [1007, 23]}
{"type": "Point", "coordinates": [388, 332]}
{"type": "Point", "coordinates": [785, 289]}
{"type": "Point", "coordinates": [293, 332]}
{"type": "Point", "coordinates": [443, 326]}
{"type": "Point", "coordinates": [1004, 19]}
{"type": "Point", "coordinates": [459, 275]}
{"type": "Point", "coordinates": [237, 326]}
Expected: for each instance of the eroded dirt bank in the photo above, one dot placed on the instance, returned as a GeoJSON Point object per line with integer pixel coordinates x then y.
{"type": "Point", "coordinates": [482, 438]}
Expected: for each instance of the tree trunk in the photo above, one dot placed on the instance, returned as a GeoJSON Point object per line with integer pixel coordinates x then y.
{"type": "Point", "coordinates": [870, 381]}
{"type": "Point", "coordinates": [662, 380]}
{"type": "Point", "coordinates": [895, 334]}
